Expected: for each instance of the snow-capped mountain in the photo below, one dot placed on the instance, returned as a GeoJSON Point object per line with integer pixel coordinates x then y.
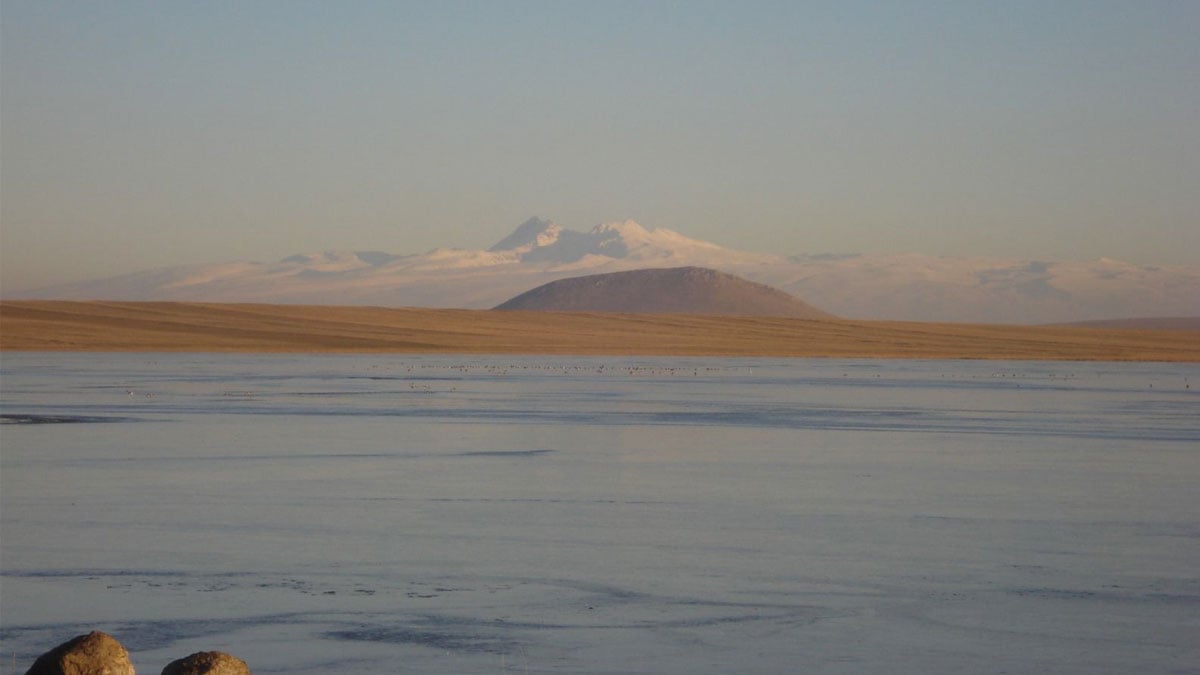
{"type": "Point", "coordinates": [539, 240]}
{"type": "Point", "coordinates": [870, 286]}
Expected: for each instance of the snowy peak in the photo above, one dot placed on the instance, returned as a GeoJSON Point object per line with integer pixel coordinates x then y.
{"type": "Point", "coordinates": [538, 240]}
{"type": "Point", "coordinates": [632, 236]}
{"type": "Point", "coordinates": [617, 240]}
{"type": "Point", "coordinates": [628, 230]}
{"type": "Point", "coordinates": [533, 233]}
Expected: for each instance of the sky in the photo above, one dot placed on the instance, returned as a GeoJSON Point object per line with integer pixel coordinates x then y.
{"type": "Point", "coordinates": [136, 135]}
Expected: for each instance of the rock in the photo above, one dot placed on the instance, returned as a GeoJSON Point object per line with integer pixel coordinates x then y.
{"type": "Point", "coordinates": [207, 663]}
{"type": "Point", "coordinates": [93, 654]}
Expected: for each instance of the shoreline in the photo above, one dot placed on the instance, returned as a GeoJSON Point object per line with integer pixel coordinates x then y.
{"type": "Point", "coordinates": [102, 326]}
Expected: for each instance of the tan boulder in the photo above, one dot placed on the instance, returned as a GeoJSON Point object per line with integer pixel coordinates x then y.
{"type": "Point", "coordinates": [207, 663]}
{"type": "Point", "coordinates": [93, 654]}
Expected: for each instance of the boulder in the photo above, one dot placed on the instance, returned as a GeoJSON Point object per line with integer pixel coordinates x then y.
{"type": "Point", "coordinates": [93, 654]}
{"type": "Point", "coordinates": [207, 663]}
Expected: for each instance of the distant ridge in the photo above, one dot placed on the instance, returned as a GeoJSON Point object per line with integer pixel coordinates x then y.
{"type": "Point", "coordinates": [675, 290]}
{"type": "Point", "coordinates": [1147, 323]}
{"type": "Point", "coordinates": [898, 287]}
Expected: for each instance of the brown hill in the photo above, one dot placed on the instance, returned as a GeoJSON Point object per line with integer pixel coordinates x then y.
{"type": "Point", "coordinates": [675, 290]}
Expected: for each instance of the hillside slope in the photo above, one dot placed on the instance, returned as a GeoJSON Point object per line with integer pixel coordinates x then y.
{"type": "Point", "coordinates": [676, 290]}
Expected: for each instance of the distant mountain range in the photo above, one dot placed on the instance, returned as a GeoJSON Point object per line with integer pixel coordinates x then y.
{"type": "Point", "coordinates": [1191, 323]}
{"type": "Point", "coordinates": [676, 290]}
{"type": "Point", "coordinates": [869, 286]}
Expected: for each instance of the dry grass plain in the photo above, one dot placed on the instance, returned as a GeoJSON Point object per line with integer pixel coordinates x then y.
{"type": "Point", "coordinates": [201, 327]}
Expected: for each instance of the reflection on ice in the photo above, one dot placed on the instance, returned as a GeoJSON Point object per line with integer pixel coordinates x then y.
{"type": "Point", "coordinates": [59, 419]}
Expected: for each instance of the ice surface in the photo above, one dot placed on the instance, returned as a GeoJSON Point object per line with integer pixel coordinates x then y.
{"type": "Point", "coordinates": [365, 514]}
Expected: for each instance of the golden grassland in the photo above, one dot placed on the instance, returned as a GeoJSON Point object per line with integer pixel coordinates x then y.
{"type": "Point", "coordinates": [205, 327]}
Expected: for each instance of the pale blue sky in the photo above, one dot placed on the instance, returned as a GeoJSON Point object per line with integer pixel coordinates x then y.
{"type": "Point", "coordinates": [142, 134]}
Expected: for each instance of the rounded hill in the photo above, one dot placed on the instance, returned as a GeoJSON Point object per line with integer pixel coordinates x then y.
{"type": "Point", "coordinates": [676, 290]}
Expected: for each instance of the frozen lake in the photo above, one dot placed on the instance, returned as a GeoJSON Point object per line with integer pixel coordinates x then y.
{"type": "Point", "coordinates": [368, 514]}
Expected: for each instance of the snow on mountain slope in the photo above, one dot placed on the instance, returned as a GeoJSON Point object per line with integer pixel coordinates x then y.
{"type": "Point", "coordinates": [533, 233]}
{"type": "Point", "coordinates": [988, 290]}
{"type": "Point", "coordinates": [871, 286]}
{"type": "Point", "coordinates": [538, 240]}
